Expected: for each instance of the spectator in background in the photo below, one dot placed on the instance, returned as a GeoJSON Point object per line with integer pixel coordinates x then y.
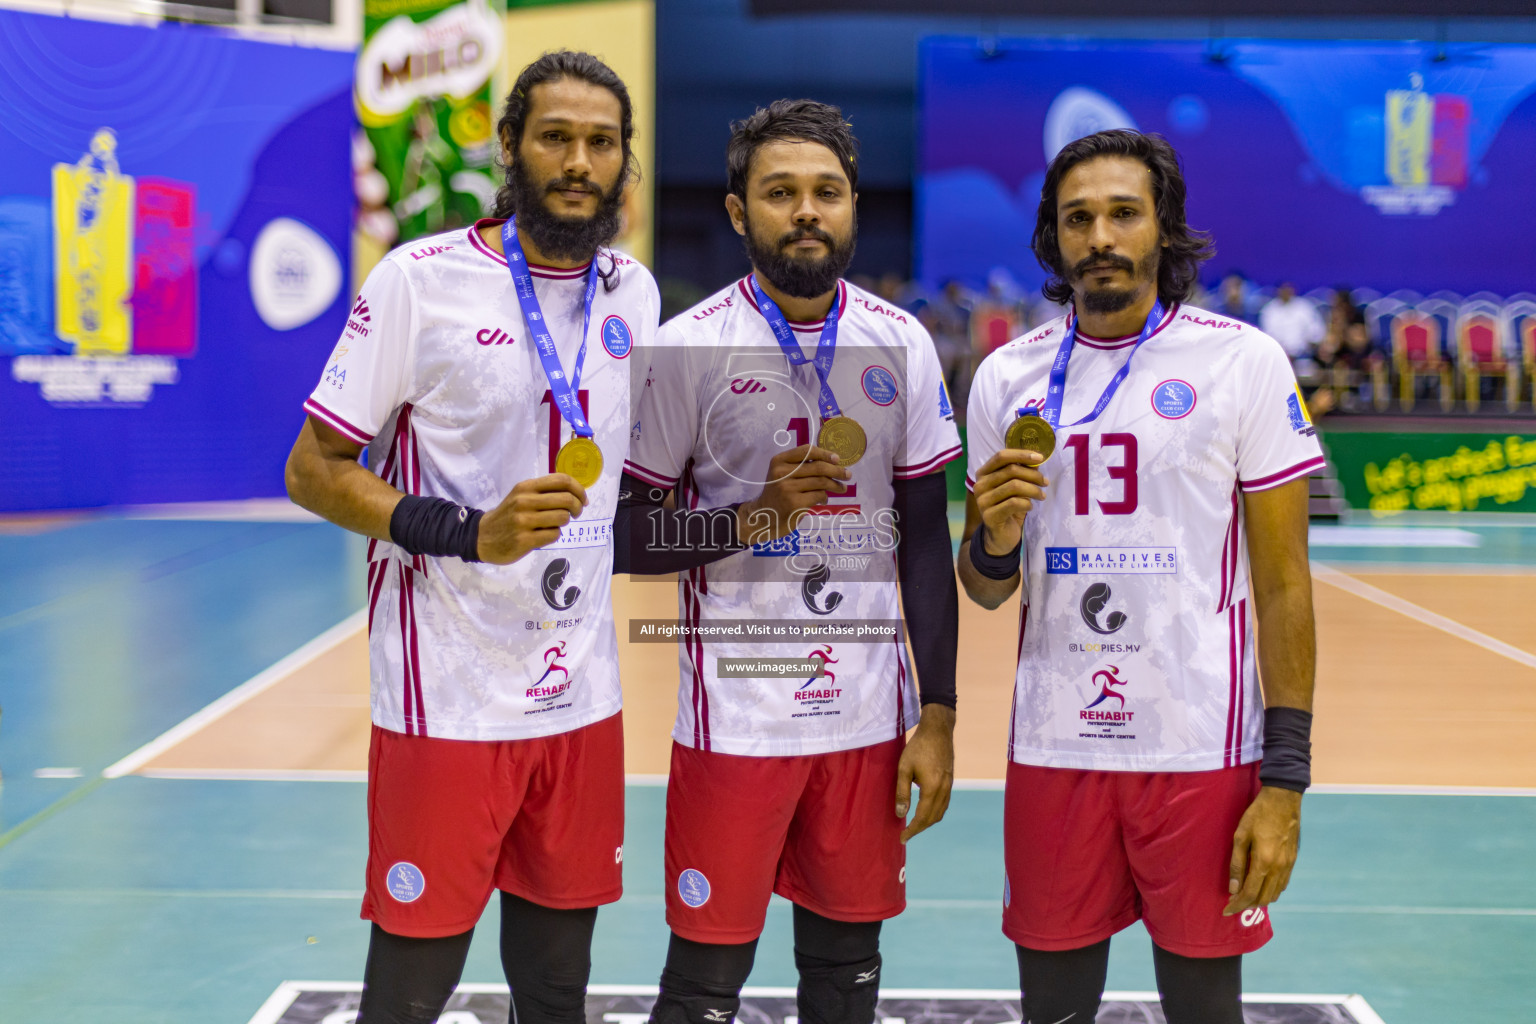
{"type": "Point", "coordinates": [1295, 324]}
{"type": "Point", "coordinates": [948, 319]}
{"type": "Point", "coordinates": [1235, 299]}
{"type": "Point", "coordinates": [1354, 363]}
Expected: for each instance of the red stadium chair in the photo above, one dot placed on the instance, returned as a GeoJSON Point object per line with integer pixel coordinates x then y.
{"type": "Point", "coordinates": [1416, 352]}
{"type": "Point", "coordinates": [1521, 316]}
{"type": "Point", "coordinates": [993, 326]}
{"type": "Point", "coordinates": [1480, 350]}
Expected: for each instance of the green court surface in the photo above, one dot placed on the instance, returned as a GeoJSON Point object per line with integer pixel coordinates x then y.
{"type": "Point", "coordinates": [152, 900]}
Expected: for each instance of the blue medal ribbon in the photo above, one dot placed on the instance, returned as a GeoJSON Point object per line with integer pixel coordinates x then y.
{"type": "Point", "coordinates": [826, 348]}
{"type": "Point", "coordinates": [564, 390]}
{"type": "Point", "coordinates": [1051, 410]}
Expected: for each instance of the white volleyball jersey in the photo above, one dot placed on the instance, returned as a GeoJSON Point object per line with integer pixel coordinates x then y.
{"type": "Point", "coordinates": [1135, 651]}
{"type": "Point", "coordinates": [723, 399]}
{"type": "Point", "coordinates": [437, 374]}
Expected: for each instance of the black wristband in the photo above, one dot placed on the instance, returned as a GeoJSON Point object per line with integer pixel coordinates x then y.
{"type": "Point", "coordinates": [993, 567]}
{"type": "Point", "coordinates": [436, 526]}
{"type": "Point", "coordinates": [1287, 749]}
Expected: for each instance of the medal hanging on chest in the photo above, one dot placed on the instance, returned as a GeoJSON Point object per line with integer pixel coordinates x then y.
{"type": "Point", "coordinates": [839, 434]}
{"type": "Point", "coordinates": [580, 457]}
{"type": "Point", "coordinates": [1036, 432]}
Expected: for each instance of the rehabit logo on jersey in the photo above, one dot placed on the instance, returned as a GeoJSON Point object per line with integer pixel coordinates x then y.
{"type": "Point", "coordinates": [1123, 561]}
{"type": "Point", "coordinates": [1110, 721]}
{"type": "Point", "coordinates": [821, 687]}
{"type": "Point", "coordinates": [547, 687]}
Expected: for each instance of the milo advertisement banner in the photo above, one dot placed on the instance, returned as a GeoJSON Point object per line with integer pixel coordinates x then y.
{"type": "Point", "coordinates": [424, 158]}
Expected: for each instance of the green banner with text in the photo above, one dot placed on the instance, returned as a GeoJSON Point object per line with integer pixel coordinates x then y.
{"type": "Point", "coordinates": [1420, 472]}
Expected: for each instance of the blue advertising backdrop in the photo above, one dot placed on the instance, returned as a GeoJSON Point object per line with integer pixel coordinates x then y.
{"type": "Point", "coordinates": [1387, 165]}
{"type": "Point", "coordinates": [175, 214]}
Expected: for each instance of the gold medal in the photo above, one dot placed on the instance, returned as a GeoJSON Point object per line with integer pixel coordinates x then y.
{"type": "Point", "coordinates": [1031, 433]}
{"type": "Point", "coordinates": [581, 458]}
{"type": "Point", "coordinates": [844, 436]}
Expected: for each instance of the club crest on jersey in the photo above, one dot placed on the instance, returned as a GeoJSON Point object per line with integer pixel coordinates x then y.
{"type": "Point", "coordinates": [693, 887]}
{"type": "Point", "coordinates": [406, 883]}
{"type": "Point", "coordinates": [879, 385]}
{"type": "Point", "coordinates": [616, 337]}
{"type": "Point", "coordinates": [1173, 399]}
{"type": "Point", "coordinates": [1296, 410]}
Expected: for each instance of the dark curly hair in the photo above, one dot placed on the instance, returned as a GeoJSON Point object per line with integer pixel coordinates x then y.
{"type": "Point", "coordinates": [553, 66]}
{"type": "Point", "coordinates": [1179, 263]}
{"type": "Point", "coordinates": [784, 120]}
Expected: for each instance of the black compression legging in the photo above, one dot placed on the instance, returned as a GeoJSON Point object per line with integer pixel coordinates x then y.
{"type": "Point", "coordinates": [1065, 987]}
{"type": "Point", "coordinates": [839, 964]}
{"type": "Point", "coordinates": [546, 955]}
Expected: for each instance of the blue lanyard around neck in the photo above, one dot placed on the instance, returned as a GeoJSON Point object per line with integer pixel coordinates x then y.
{"type": "Point", "coordinates": [826, 348]}
{"type": "Point", "coordinates": [1051, 410]}
{"type": "Point", "coordinates": [563, 390]}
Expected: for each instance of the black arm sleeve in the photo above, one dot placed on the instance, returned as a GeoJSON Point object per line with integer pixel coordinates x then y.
{"type": "Point", "coordinates": [928, 595]}
{"type": "Point", "coordinates": [652, 540]}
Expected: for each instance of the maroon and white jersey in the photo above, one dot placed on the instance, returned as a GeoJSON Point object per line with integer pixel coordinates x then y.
{"type": "Point", "coordinates": [1136, 651]}
{"type": "Point", "coordinates": [723, 399]}
{"type": "Point", "coordinates": [437, 374]}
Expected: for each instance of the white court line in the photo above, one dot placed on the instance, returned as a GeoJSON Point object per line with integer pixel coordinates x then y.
{"type": "Point", "coordinates": [251, 510]}
{"type": "Point", "coordinates": [641, 781]}
{"type": "Point", "coordinates": [1391, 537]}
{"type": "Point", "coordinates": [257, 774]}
{"type": "Point", "coordinates": [272, 1010]}
{"type": "Point", "coordinates": [331, 638]}
{"type": "Point", "coordinates": [1375, 595]}
{"type": "Point", "coordinates": [1370, 789]}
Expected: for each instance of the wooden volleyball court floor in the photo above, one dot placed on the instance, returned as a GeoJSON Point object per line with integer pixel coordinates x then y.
{"type": "Point", "coordinates": [184, 723]}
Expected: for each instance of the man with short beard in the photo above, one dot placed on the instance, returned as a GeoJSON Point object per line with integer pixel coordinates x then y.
{"type": "Point", "coordinates": [1147, 778]}
{"type": "Point", "coordinates": [797, 783]}
{"type": "Point", "coordinates": [470, 365]}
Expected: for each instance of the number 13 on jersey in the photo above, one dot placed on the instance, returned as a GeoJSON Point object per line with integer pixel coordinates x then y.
{"type": "Point", "coordinates": [1122, 471]}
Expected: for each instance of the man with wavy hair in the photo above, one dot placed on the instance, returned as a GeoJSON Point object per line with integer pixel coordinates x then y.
{"type": "Point", "coordinates": [488, 373]}
{"type": "Point", "coordinates": [1140, 465]}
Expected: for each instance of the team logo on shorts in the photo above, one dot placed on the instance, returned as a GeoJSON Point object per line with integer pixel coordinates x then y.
{"type": "Point", "coordinates": [616, 337]}
{"type": "Point", "coordinates": [1007, 891]}
{"type": "Point", "coordinates": [406, 883]}
{"type": "Point", "coordinates": [879, 385]}
{"type": "Point", "coordinates": [1173, 399]}
{"type": "Point", "coordinates": [1252, 916]}
{"type": "Point", "coordinates": [693, 887]}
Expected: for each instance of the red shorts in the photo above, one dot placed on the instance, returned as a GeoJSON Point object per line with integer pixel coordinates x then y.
{"type": "Point", "coordinates": [820, 830]}
{"type": "Point", "coordinates": [1089, 852]}
{"type": "Point", "coordinates": [450, 820]}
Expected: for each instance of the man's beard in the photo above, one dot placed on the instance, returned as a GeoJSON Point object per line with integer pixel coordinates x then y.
{"type": "Point", "coordinates": [1113, 300]}
{"type": "Point", "coordinates": [557, 237]}
{"type": "Point", "coordinates": [801, 277]}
